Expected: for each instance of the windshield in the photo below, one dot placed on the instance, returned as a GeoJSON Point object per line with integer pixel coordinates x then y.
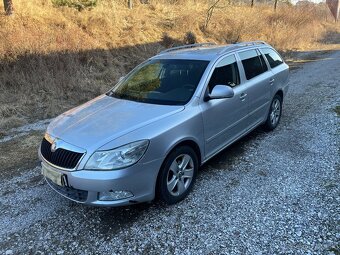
{"type": "Point", "coordinates": [161, 81]}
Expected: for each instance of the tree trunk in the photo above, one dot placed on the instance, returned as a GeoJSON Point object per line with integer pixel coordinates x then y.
{"type": "Point", "coordinates": [130, 4]}
{"type": "Point", "coordinates": [275, 5]}
{"type": "Point", "coordinates": [8, 7]}
{"type": "Point", "coordinates": [252, 3]}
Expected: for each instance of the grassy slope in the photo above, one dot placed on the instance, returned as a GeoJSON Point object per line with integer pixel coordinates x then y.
{"type": "Point", "coordinates": [52, 59]}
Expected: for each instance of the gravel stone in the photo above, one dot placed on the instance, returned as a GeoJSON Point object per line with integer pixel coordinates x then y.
{"type": "Point", "coordinates": [269, 193]}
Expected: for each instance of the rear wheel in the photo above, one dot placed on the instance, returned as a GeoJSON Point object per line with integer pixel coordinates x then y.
{"type": "Point", "coordinates": [177, 175]}
{"type": "Point", "coordinates": [274, 114]}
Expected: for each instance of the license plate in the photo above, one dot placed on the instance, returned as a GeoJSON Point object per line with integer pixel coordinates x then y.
{"type": "Point", "coordinates": [56, 177]}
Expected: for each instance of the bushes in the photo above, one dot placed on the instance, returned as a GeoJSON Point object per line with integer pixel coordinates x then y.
{"type": "Point", "coordinates": [78, 4]}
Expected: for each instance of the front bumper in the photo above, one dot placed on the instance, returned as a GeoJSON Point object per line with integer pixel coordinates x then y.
{"type": "Point", "coordinates": [83, 186]}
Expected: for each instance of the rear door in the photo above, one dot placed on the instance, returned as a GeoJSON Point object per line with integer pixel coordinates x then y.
{"type": "Point", "coordinates": [224, 119]}
{"type": "Point", "coordinates": [278, 67]}
{"type": "Point", "coordinates": [258, 80]}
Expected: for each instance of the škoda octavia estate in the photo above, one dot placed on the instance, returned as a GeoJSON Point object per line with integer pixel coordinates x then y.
{"type": "Point", "coordinates": [150, 133]}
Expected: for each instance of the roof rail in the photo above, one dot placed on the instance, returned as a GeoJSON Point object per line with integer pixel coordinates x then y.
{"type": "Point", "coordinates": [250, 43]}
{"type": "Point", "coordinates": [243, 44]}
{"type": "Point", "coordinates": [188, 46]}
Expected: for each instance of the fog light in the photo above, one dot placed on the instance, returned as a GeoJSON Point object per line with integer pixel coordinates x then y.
{"type": "Point", "coordinates": [114, 195]}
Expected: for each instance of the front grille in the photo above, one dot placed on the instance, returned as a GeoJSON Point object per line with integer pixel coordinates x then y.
{"type": "Point", "coordinates": [61, 157]}
{"type": "Point", "coordinates": [71, 193]}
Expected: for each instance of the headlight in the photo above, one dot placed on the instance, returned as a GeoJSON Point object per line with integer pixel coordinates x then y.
{"type": "Point", "coordinates": [120, 157]}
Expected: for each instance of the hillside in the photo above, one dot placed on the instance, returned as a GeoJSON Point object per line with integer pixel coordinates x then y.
{"type": "Point", "coordinates": [53, 58]}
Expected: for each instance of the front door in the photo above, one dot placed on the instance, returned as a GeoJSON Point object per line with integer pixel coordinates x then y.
{"type": "Point", "coordinates": [224, 119]}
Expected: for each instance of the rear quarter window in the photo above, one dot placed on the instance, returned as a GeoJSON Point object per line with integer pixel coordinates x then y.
{"type": "Point", "coordinates": [273, 58]}
{"type": "Point", "coordinates": [252, 63]}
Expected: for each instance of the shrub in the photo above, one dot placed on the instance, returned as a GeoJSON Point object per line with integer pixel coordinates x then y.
{"type": "Point", "coordinates": [168, 41]}
{"type": "Point", "coordinates": [190, 38]}
{"type": "Point", "coordinates": [78, 4]}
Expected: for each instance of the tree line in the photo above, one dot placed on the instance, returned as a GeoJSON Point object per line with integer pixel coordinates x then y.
{"type": "Point", "coordinates": [9, 9]}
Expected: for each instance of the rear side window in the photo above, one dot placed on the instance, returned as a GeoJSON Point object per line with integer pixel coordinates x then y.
{"type": "Point", "coordinates": [225, 73]}
{"type": "Point", "coordinates": [252, 63]}
{"type": "Point", "coordinates": [273, 58]}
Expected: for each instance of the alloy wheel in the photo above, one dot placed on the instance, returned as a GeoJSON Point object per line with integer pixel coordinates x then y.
{"type": "Point", "coordinates": [275, 112]}
{"type": "Point", "coordinates": [180, 174]}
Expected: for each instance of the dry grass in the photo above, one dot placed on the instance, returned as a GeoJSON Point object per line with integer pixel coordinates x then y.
{"type": "Point", "coordinates": [20, 154]}
{"type": "Point", "coordinates": [52, 59]}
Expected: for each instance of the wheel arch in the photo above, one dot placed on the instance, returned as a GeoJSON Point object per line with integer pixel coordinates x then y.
{"type": "Point", "coordinates": [185, 142]}
{"type": "Point", "coordinates": [189, 143]}
{"type": "Point", "coordinates": [280, 93]}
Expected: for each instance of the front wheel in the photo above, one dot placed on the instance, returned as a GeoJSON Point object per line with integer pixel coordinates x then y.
{"type": "Point", "coordinates": [177, 175]}
{"type": "Point", "coordinates": [274, 114]}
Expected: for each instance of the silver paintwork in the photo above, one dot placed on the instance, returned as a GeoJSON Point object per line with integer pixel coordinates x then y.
{"type": "Point", "coordinates": [105, 123]}
{"type": "Point", "coordinates": [221, 91]}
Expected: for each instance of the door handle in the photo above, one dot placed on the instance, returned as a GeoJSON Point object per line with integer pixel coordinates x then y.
{"type": "Point", "coordinates": [271, 81]}
{"type": "Point", "coordinates": [243, 96]}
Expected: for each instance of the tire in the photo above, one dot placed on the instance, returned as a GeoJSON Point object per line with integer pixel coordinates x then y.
{"type": "Point", "coordinates": [274, 114]}
{"type": "Point", "coordinates": [175, 180]}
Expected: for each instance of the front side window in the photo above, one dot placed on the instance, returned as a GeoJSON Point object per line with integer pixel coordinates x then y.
{"type": "Point", "coordinates": [225, 73]}
{"type": "Point", "coordinates": [273, 58]}
{"type": "Point", "coordinates": [252, 63]}
{"type": "Point", "coordinates": [162, 81]}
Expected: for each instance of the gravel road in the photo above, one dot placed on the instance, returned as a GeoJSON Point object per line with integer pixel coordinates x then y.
{"type": "Point", "coordinates": [270, 193]}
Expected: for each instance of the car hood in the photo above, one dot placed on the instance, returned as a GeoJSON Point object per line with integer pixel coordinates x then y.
{"type": "Point", "coordinates": [104, 119]}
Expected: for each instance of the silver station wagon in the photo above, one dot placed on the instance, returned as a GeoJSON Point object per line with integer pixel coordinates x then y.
{"type": "Point", "coordinates": [147, 137]}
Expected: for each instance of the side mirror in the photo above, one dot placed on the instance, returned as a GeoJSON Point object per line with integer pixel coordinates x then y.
{"type": "Point", "coordinates": [219, 92]}
{"type": "Point", "coordinates": [121, 78]}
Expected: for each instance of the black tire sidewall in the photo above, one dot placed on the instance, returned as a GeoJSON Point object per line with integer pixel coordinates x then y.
{"type": "Point", "coordinates": [161, 188]}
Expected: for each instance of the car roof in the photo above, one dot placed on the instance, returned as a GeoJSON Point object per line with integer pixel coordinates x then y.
{"type": "Point", "coordinates": [205, 51]}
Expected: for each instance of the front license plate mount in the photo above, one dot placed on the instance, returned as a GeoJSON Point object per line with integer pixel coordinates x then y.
{"type": "Point", "coordinates": [56, 177]}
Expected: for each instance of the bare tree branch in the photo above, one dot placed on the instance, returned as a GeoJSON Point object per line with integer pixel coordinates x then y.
{"type": "Point", "coordinates": [209, 13]}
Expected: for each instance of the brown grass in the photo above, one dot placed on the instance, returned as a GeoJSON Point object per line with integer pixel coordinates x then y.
{"type": "Point", "coordinates": [19, 154]}
{"type": "Point", "coordinates": [52, 58]}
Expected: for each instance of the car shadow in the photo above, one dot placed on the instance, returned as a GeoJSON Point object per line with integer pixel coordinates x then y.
{"type": "Point", "coordinates": [233, 154]}
{"type": "Point", "coordinates": [110, 221]}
